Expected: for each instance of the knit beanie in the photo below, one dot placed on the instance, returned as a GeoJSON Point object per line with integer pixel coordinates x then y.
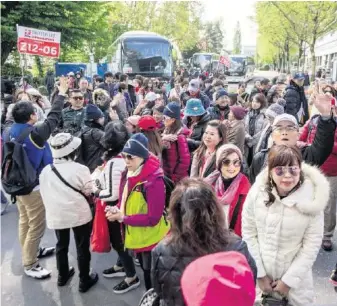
{"type": "Point", "coordinates": [221, 93]}
{"type": "Point", "coordinates": [133, 120]}
{"type": "Point", "coordinates": [285, 117]}
{"type": "Point", "coordinates": [238, 111]}
{"type": "Point", "coordinates": [147, 123]}
{"type": "Point", "coordinates": [274, 110]}
{"type": "Point", "coordinates": [222, 152]}
{"type": "Point", "coordinates": [137, 145]}
{"type": "Point", "coordinates": [92, 113]}
{"type": "Point", "coordinates": [172, 110]}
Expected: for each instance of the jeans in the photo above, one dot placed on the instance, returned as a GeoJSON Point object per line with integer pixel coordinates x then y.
{"type": "Point", "coordinates": [82, 241]}
{"type": "Point", "coordinates": [124, 258]}
{"type": "Point", "coordinates": [145, 263]}
{"type": "Point", "coordinates": [330, 209]}
{"type": "Point", "coordinates": [32, 224]}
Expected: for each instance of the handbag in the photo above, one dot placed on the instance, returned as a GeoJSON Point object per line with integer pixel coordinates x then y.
{"type": "Point", "coordinates": [268, 300]}
{"type": "Point", "coordinates": [150, 298]}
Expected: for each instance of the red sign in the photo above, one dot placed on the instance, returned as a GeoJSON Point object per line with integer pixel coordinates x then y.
{"type": "Point", "coordinates": [38, 42]}
{"type": "Point", "coordinates": [225, 61]}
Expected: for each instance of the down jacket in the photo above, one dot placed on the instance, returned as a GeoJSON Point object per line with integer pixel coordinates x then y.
{"type": "Point", "coordinates": [329, 167]}
{"type": "Point", "coordinates": [284, 249]}
{"type": "Point", "coordinates": [177, 158]}
{"type": "Point", "coordinates": [167, 268]}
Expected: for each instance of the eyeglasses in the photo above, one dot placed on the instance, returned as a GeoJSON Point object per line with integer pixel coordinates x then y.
{"type": "Point", "coordinates": [227, 162]}
{"type": "Point", "coordinates": [327, 91]}
{"type": "Point", "coordinates": [128, 156]}
{"type": "Point", "coordinates": [281, 171]}
{"type": "Point", "coordinates": [77, 98]}
{"type": "Point", "coordinates": [279, 129]}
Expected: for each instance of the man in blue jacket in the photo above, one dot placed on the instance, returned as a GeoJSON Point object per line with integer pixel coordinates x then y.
{"type": "Point", "coordinates": [31, 209]}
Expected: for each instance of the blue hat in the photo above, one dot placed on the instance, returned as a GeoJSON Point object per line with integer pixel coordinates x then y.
{"type": "Point", "coordinates": [137, 145]}
{"type": "Point", "coordinates": [298, 76]}
{"type": "Point", "coordinates": [92, 113]}
{"type": "Point", "coordinates": [194, 107]}
{"type": "Point", "coordinates": [172, 110]}
{"type": "Point", "coordinates": [221, 93]}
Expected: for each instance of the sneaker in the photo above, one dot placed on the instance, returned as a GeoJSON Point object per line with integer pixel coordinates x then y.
{"type": "Point", "coordinates": [38, 272]}
{"type": "Point", "coordinates": [45, 252]}
{"type": "Point", "coordinates": [136, 262]}
{"type": "Point", "coordinates": [111, 273]}
{"type": "Point", "coordinates": [84, 286]}
{"type": "Point", "coordinates": [327, 245]}
{"type": "Point", "coordinates": [62, 281]}
{"type": "Point", "coordinates": [333, 278]}
{"type": "Point", "coordinates": [124, 287]}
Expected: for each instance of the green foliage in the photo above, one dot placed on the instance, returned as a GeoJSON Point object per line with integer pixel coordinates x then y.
{"type": "Point", "coordinates": [214, 36]}
{"type": "Point", "coordinates": [237, 39]}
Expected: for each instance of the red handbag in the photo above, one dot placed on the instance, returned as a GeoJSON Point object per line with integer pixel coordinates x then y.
{"type": "Point", "coordinates": [100, 238]}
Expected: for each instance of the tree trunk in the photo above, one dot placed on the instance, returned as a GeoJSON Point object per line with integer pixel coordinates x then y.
{"type": "Point", "coordinates": [6, 49]}
{"type": "Point", "coordinates": [313, 61]}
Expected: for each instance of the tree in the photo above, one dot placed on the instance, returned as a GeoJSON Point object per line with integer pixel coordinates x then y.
{"type": "Point", "coordinates": [214, 36]}
{"type": "Point", "coordinates": [71, 18]}
{"type": "Point", "coordinates": [237, 39]}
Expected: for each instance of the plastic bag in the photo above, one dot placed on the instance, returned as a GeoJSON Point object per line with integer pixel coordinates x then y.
{"type": "Point", "coordinates": [100, 238]}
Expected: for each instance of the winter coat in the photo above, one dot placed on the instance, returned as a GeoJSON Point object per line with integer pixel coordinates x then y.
{"type": "Point", "coordinates": [185, 96]}
{"type": "Point", "coordinates": [284, 249]}
{"type": "Point", "coordinates": [144, 222]}
{"type": "Point", "coordinates": [110, 178]}
{"type": "Point", "coordinates": [177, 158]}
{"type": "Point", "coordinates": [254, 128]}
{"type": "Point", "coordinates": [295, 99]}
{"type": "Point", "coordinates": [264, 138]}
{"type": "Point", "coordinates": [72, 120]}
{"type": "Point", "coordinates": [315, 154]}
{"type": "Point", "coordinates": [198, 131]}
{"type": "Point", "coordinates": [91, 149]}
{"type": "Point", "coordinates": [168, 266]}
{"type": "Point", "coordinates": [66, 208]}
{"type": "Point", "coordinates": [308, 134]}
{"type": "Point", "coordinates": [236, 134]}
{"type": "Point", "coordinates": [109, 87]}
{"type": "Point", "coordinates": [208, 168]}
{"type": "Point", "coordinates": [215, 113]}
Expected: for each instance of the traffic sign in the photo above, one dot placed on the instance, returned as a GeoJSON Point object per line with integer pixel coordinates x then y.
{"type": "Point", "coordinates": [38, 42]}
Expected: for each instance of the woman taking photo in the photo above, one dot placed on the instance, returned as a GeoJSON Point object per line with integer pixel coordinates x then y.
{"type": "Point", "coordinates": [282, 224]}
{"type": "Point", "coordinates": [142, 202]}
{"type": "Point", "coordinates": [203, 163]}
{"type": "Point", "coordinates": [176, 156]}
{"type": "Point", "coordinates": [230, 185]}
{"type": "Point", "coordinates": [188, 240]}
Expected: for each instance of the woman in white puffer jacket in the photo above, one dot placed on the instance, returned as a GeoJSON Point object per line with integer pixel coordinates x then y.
{"type": "Point", "coordinates": [282, 224]}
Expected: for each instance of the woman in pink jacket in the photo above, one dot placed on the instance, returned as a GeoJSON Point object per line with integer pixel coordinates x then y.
{"type": "Point", "coordinates": [176, 156]}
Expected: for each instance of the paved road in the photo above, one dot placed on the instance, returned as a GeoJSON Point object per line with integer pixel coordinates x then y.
{"type": "Point", "coordinates": [20, 290]}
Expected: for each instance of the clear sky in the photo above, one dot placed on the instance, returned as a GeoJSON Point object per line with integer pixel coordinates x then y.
{"type": "Point", "coordinates": [232, 11]}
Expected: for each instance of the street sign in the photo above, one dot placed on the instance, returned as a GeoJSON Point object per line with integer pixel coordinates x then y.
{"type": "Point", "coordinates": [225, 61]}
{"type": "Point", "coordinates": [38, 42]}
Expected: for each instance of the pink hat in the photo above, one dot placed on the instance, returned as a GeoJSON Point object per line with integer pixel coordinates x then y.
{"type": "Point", "coordinates": [219, 279]}
{"type": "Point", "coordinates": [134, 120]}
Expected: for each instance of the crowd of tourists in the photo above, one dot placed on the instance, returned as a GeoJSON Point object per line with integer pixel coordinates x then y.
{"type": "Point", "coordinates": [212, 193]}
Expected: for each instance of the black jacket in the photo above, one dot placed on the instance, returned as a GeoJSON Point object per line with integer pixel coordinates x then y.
{"type": "Point", "coordinates": [197, 133]}
{"type": "Point", "coordinates": [295, 96]}
{"type": "Point", "coordinates": [315, 154]}
{"type": "Point", "coordinates": [91, 150]}
{"type": "Point", "coordinates": [215, 113]}
{"type": "Point", "coordinates": [108, 87]}
{"type": "Point", "coordinates": [185, 96]}
{"type": "Point", "coordinates": [167, 268]}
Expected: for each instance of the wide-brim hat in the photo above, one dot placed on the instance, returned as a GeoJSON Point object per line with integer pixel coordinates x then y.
{"type": "Point", "coordinates": [64, 144]}
{"type": "Point", "coordinates": [194, 107]}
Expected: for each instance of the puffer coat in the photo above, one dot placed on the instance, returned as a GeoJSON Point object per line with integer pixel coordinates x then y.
{"type": "Point", "coordinates": [285, 237]}
{"type": "Point", "coordinates": [177, 158]}
{"type": "Point", "coordinates": [167, 268]}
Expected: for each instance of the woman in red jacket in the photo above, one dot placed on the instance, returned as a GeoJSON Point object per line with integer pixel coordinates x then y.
{"type": "Point", "coordinates": [176, 155]}
{"type": "Point", "coordinates": [230, 185]}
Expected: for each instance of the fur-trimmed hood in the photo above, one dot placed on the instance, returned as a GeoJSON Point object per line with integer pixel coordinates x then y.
{"type": "Point", "coordinates": [310, 198]}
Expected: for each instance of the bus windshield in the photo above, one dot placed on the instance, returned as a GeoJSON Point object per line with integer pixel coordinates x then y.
{"type": "Point", "coordinates": [202, 61]}
{"type": "Point", "coordinates": [146, 57]}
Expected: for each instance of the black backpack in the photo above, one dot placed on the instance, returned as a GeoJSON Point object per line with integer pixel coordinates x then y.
{"type": "Point", "coordinates": [18, 175]}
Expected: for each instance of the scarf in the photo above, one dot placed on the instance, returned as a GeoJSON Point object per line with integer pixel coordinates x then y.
{"type": "Point", "coordinates": [126, 187]}
{"type": "Point", "coordinates": [226, 197]}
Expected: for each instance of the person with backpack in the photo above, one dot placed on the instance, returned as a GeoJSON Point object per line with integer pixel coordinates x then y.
{"type": "Point", "coordinates": [20, 175]}
{"type": "Point", "coordinates": [141, 202]}
{"type": "Point", "coordinates": [91, 150]}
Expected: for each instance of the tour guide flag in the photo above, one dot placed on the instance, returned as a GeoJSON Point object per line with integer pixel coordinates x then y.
{"type": "Point", "coordinates": [38, 42]}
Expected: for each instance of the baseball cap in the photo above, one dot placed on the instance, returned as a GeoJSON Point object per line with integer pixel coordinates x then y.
{"type": "Point", "coordinates": [298, 76]}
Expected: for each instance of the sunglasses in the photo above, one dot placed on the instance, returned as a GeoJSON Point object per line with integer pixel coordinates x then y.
{"type": "Point", "coordinates": [78, 98]}
{"type": "Point", "coordinates": [227, 162]}
{"type": "Point", "coordinates": [281, 171]}
{"type": "Point", "coordinates": [327, 91]}
{"type": "Point", "coordinates": [128, 156]}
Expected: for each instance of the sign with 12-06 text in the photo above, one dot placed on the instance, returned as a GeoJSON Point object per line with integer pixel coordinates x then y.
{"type": "Point", "coordinates": [38, 42]}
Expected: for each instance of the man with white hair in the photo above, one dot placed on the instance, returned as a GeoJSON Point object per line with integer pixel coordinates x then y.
{"type": "Point", "coordinates": [84, 84]}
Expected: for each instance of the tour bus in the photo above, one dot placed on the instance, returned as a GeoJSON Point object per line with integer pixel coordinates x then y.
{"type": "Point", "coordinates": [144, 53]}
{"type": "Point", "coordinates": [240, 65]}
{"type": "Point", "coordinates": [205, 61]}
